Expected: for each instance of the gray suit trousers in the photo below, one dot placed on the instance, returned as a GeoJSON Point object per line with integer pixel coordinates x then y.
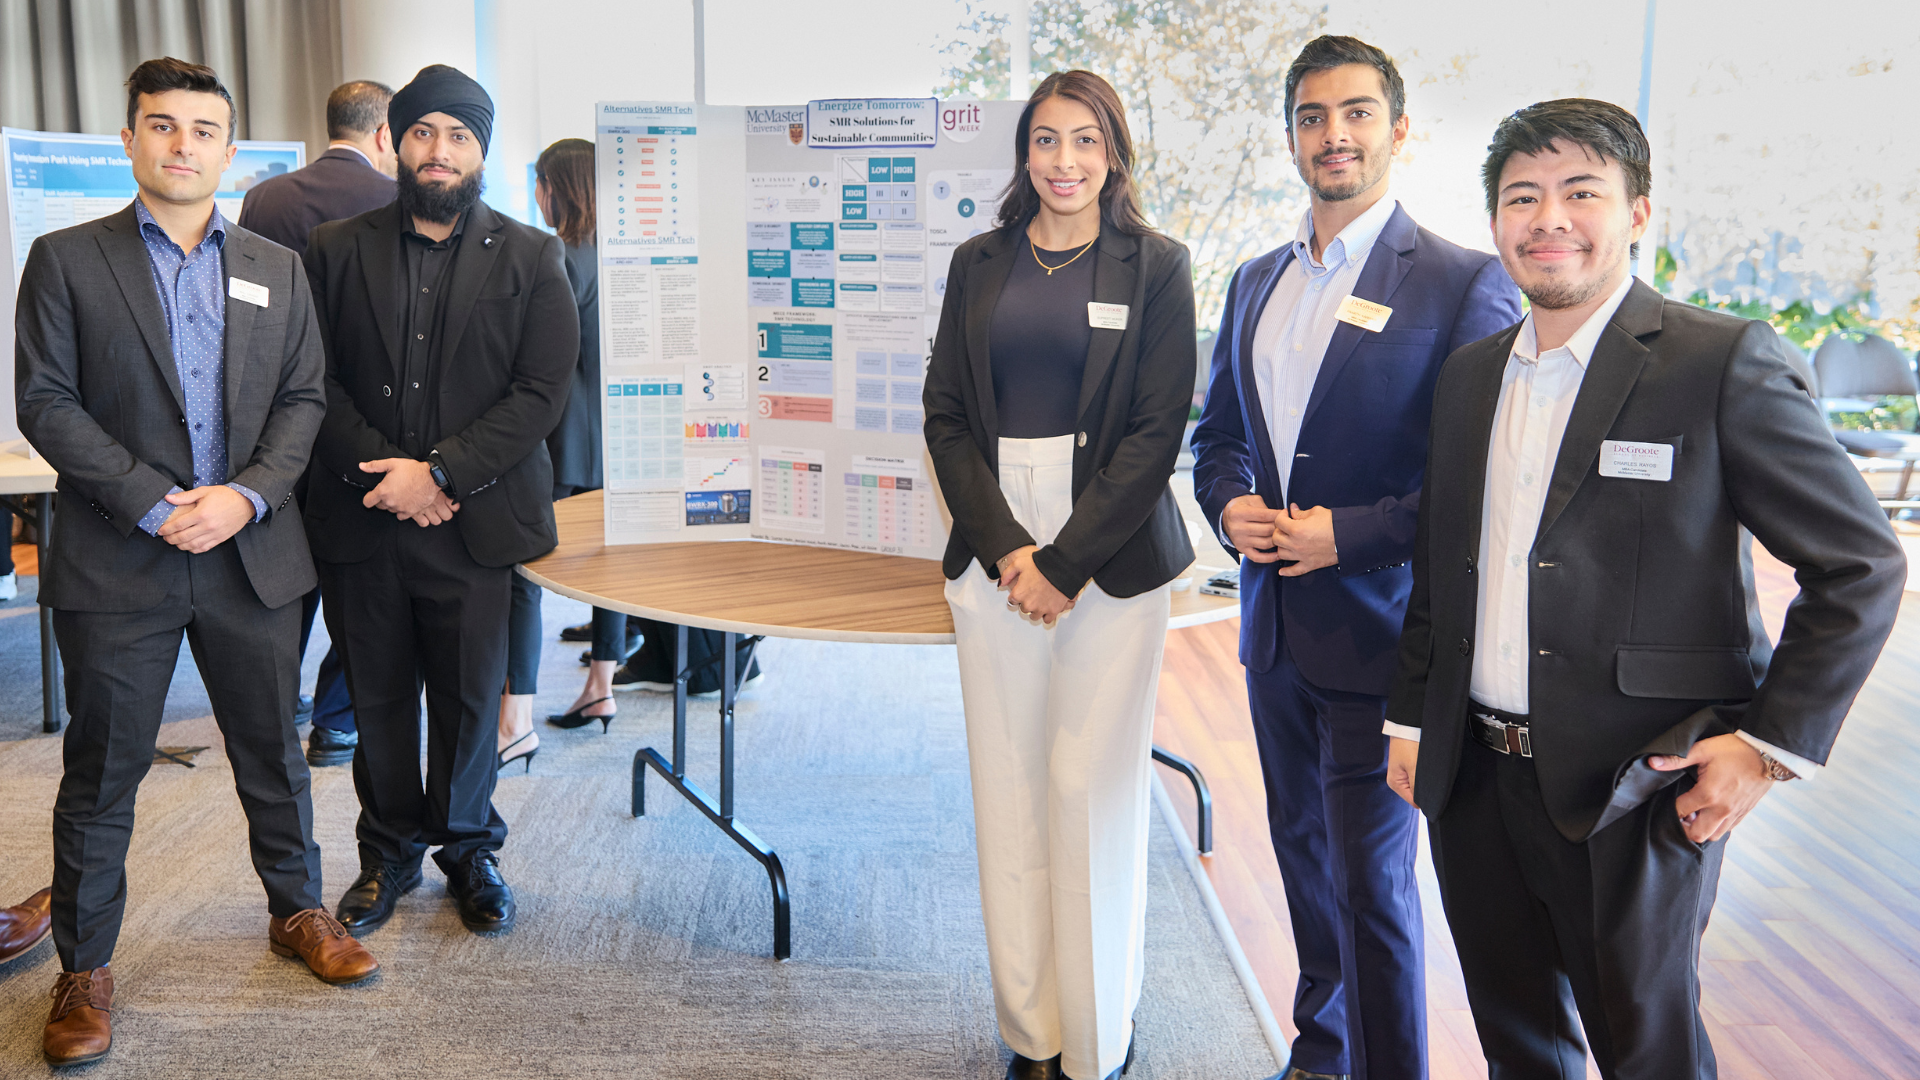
{"type": "Point", "coordinates": [119, 666]}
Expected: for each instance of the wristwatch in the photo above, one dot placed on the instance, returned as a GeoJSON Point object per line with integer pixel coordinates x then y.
{"type": "Point", "coordinates": [438, 470]}
{"type": "Point", "coordinates": [1776, 770]}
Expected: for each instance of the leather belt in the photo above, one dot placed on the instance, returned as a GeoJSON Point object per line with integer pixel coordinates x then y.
{"type": "Point", "coordinates": [1502, 731]}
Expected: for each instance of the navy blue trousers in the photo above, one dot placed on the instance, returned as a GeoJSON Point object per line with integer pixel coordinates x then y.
{"type": "Point", "coordinates": [1346, 845]}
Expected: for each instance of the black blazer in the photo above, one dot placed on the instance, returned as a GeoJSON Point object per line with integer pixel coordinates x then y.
{"type": "Point", "coordinates": [1645, 635]}
{"type": "Point", "coordinates": [1125, 531]}
{"type": "Point", "coordinates": [98, 395]}
{"type": "Point", "coordinates": [575, 442]}
{"type": "Point", "coordinates": [501, 374]}
{"type": "Point", "coordinates": [337, 184]}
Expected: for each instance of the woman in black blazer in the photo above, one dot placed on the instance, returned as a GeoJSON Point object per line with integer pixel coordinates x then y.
{"type": "Point", "coordinates": [1057, 394]}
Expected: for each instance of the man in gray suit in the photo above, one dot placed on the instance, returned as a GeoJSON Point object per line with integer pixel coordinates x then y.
{"type": "Point", "coordinates": [1587, 701]}
{"type": "Point", "coordinates": [168, 365]}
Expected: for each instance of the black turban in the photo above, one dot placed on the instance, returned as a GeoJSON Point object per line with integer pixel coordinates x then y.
{"type": "Point", "coordinates": [439, 88]}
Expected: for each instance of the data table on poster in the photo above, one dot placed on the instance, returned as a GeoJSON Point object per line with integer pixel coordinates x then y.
{"type": "Point", "coordinates": [793, 488]}
{"type": "Point", "coordinates": [887, 503]}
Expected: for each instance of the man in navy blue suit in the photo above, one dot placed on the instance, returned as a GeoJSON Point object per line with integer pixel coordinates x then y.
{"type": "Point", "coordinates": [1310, 455]}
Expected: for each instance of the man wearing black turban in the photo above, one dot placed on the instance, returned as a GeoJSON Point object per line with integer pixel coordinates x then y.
{"type": "Point", "coordinates": [451, 335]}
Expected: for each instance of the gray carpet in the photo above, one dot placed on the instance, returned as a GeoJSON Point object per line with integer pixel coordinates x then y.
{"type": "Point", "coordinates": [643, 945]}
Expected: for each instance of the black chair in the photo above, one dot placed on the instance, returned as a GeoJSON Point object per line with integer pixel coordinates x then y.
{"type": "Point", "coordinates": [1868, 369]}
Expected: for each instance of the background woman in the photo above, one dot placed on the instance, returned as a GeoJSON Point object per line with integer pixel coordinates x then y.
{"type": "Point", "coordinates": [1058, 390]}
{"type": "Point", "coordinates": [563, 187]}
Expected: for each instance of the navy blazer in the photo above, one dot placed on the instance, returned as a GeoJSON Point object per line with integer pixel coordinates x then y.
{"type": "Point", "coordinates": [338, 184]}
{"type": "Point", "coordinates": [1362, 450]}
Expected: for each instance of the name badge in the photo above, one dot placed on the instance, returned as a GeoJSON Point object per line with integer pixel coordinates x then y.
{"type": "Point", "coordinates": [247, 291]}
{"type": "Point", "coordinates": [1106, 316]}
{"type": "Point", "coordinates": [1636, 460]}
{"type": "Point", "coordinates": [1364, 314]}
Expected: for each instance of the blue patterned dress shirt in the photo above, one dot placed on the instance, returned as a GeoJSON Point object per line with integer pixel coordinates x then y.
{"type": "Point", "coordinates": [196, 307]}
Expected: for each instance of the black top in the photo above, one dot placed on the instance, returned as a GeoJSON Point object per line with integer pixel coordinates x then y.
{"type": "Point", "coordinates": [1038, 342]}
{"type": "Point", "coordinates": [429, 268]}
{"type": "Point", "coordinates": [337, 184]}
{"type": "Point", "coordinates": [575, 444]}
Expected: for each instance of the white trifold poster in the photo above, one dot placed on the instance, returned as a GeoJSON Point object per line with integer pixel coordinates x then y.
{"type": "Point", "coordinates": [768, 300]}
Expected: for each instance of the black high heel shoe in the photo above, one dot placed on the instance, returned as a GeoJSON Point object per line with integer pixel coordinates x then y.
{"type": "Point", "coordinates": [507, 756]}
{"type": "Point", "coordinates": [578, 717]}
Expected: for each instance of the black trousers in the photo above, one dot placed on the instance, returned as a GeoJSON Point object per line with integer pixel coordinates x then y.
{"type": "Point", "coordinates": [119, 666]}
{"type": "Point", "coordinates": [1555, 936]}
{"type": "Point", "coordinates": [420, 613]}
{"type": "Point", "coordinates": [653, 661]}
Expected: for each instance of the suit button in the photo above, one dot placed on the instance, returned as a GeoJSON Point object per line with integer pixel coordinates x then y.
{"type": "Point", "coordinates": [387, 390]}
{"type": "Point", "coordinates": [1466, 647]}
{"type": "Point", "coordinates": [1083, 439]}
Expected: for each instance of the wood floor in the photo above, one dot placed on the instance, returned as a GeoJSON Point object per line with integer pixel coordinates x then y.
{"type": "Point", "coordinates": [1811, 965]}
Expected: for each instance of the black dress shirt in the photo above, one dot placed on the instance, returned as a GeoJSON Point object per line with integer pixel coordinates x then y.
{"type": "Point", "coordinates": [429, 271]}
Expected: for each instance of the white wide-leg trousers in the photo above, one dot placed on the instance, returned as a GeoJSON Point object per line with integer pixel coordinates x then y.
{"type": "Point", "coordinates": [1059, 738]}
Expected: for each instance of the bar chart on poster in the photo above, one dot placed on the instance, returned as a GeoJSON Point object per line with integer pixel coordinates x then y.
{"type": "Point", "coordinates": [768, 384]}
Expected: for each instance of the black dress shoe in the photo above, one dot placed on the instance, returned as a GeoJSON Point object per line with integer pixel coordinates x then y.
{"type": "Point", "coordinates": [325, 746]}
{"type": "Point", "coordinates": [1025, 1068]}
{"type": "Point", "coordinates": [370, 900]}
{"type": "Point", "coordinates": [583, 632]}
{"type": "Point", "coordinates": [486, 903]}
{"type": "Point", "coordinates": [1117, 1073]}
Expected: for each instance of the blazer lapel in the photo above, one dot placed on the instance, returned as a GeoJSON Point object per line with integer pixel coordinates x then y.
{"type": "Point", "coordinates": [379, 244]}
{"type": "Point", "coordinates": [1475, 440]}
{"type": "Point", "coordinates": [1615, 367]}
{"type": "Point", "coordinates": [1253, 410]}
{"type": "Point", "coordinates": [985, 281]}
{"type": "Point", "coordinates": [1386, 266]}
{"type": "Point", "coordinates": [479, 247]}
{"type": "Point", "coordinates": [238, 261]}
{"type": "Point", "coordinates": [1114, 279]}
{"type": "Point", "coordinates": [126, 255]}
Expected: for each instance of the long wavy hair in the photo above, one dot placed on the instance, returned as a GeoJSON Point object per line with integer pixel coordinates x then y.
{"type": "Point", "coordinates": [567, 169]}
{"type": "Point", "coordinates": [1119, 199]}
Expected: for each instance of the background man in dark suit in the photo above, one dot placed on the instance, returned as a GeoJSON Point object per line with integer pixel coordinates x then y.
{"type": "Point", "coordinates": [167, 365]}
{"type": "Point", "coordinates": [1319, 401]}
{"type": "Point", "coordinates": [1585, 686]}
{"type": "Point", "coordinates": [451, 338]}
{"type": "Point", "coordinates": [354, 175]}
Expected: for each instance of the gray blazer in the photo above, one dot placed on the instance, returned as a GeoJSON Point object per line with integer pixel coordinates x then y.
{"type": "Point", "coordinates": [1645, 634]}
{"type": "Point", "coordinates": [98, 395]}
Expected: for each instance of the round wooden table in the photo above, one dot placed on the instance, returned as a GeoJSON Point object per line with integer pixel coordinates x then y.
{"type": "Point", "coordinates": [773, 590]}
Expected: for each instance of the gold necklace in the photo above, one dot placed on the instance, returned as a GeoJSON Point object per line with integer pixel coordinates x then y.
{"type": "Point", "coordinates": [1035, 248]}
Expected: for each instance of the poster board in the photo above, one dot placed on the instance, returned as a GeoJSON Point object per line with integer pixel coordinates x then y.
{"type": "Point", "coordinates": [60, 179]}
{"type": "Point", "coordinates": [818, 265]}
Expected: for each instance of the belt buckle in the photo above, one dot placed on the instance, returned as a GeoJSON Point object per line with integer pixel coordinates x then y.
{"type": "Point", "coordinates": [1519, 740]}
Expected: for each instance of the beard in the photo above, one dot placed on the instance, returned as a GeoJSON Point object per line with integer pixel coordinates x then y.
{"type": "Point", "coordinates": [1552, 292]}
{"type": "Point", "coordinates": [440, 203]}
{"type": "Point", "coordinates": [1370, 164]}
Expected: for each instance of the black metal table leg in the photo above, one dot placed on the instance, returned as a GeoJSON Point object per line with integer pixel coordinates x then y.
{"type": "Point", "coordinates": [1203, 798]}
{"type": "Point", "coordinates": [721, 812]}
{"type": "Point", "coordinates": [42, 518]}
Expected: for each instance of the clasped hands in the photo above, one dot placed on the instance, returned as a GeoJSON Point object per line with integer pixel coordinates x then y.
{"type": "Point", "coordinates": [1028, 590]}
{"type": "Point", "coordinates": [1266, 535]}
{"type": "Point", "coordinates": [1729, 781]}
{"type": "Point", "coordinates": [205, 518]}
{"type": "Point", "coordinates": [408, 492]}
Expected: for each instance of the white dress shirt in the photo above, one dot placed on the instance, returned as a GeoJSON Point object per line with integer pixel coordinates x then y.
{"type": "Point", "coordinates": [1299, 320]}
{"type": "Point", "coordinates": [1537, 392]}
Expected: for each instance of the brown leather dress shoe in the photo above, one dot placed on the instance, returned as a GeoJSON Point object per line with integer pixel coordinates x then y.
{"type": "Point", "coordinates": [318, 938]}
{"type": "Point", "coordinates": [25, 925]}
{"type": "Point", "coordinates": [80, 1028]}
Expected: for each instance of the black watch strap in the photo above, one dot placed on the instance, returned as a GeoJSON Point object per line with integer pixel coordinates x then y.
{"type": "Point", "coordinates": [438, 471]}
